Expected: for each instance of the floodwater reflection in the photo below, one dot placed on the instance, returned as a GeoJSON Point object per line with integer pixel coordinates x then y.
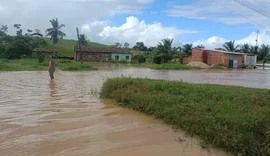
{"type": "Point", "coordinates": [65, 116]}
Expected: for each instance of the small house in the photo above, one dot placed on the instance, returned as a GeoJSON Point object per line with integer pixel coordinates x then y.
{"type": "Point", "coordinates": [227, 59]}
{"type": "Point", "coordinates": [103, 54]}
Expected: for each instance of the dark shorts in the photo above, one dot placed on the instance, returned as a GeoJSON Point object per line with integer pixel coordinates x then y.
{"type": "Point", "coordinates": [51, 71]}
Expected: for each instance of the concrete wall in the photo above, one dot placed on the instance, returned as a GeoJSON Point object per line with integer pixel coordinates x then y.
{"type": "Point", "coordinates": [122, 57]}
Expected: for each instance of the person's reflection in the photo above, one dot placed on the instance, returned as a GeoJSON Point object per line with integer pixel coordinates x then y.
{"type": "Point", "coordinates": [52, 87]}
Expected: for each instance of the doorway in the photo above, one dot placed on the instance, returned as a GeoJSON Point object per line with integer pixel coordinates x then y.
{"type": "Point", "coordinates": [233, 61]}
{"type": "Point", "coordinates": [117, 58]}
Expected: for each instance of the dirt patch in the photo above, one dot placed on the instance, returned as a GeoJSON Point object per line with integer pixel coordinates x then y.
{"type": "Point", "coordinates": [199, 64]}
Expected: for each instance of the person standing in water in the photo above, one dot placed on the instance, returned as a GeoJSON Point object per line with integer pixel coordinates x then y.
{"type": "Point", "coordinates": [51, 68]}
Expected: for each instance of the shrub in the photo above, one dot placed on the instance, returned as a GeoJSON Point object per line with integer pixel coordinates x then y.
{"type": "Point", "coordinates": [157, 59]}
{"type": "Point", "coordinates": [139, 58]}
{"type": "Point", "coordinates": [40, 57]}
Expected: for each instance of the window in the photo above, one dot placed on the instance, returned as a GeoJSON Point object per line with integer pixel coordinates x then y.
{"type": "Point", "coordinates": [127, 57]}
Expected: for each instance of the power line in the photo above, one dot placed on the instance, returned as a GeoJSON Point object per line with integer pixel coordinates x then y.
{"type": "Point", "coordinates": [265, 7]}
{"type": "Point", "coordinates": [237, 13]}
{"type": "Point", "coordinates": [247, 5]}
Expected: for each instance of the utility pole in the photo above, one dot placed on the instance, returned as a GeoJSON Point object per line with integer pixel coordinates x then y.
{"type": "Point", "coordinates": [257, 38]}
{"type": "Point", "coordinates": [79, 42]}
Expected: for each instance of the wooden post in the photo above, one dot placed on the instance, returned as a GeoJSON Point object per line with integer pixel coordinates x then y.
{"type": "Point", "coordinates": [79, 41]}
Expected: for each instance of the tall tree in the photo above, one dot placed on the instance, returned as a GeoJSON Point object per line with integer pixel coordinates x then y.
{"type": "Point", "coordinates": [254, 49]}
{"type": "Point", "coordinates": [246, 48]}
{"type": "Point", "coordinates": [55, 33]}
{"type": "Point", "coordinates": [200, 46]}
{"type": "Point", "coordinates": [187, 48]}
{"type": "Point", "coordinates": [83, 39]}
{"type": "Point", "coordinates": [37, 33]}
{"type": "Point", "coordinates": [118, 45]}
{"type": "Point", "coordinates": [4, 30]}
{"type": "Point", "coordinates": [165, 51]}
{"type": "Point", "coordinates": [230, 46]}
{"type": "Point", "coordinates": [19, 31]}
{"type": "Point", "coordinates": [140, 46]}
{"type": "Point", "coordinates": [264, 53]}
{"type": "Point", "coordinates": [126, 45]}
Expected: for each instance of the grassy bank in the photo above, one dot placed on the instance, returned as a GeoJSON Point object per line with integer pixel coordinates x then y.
{"type": "Point", "coordinates": [168, 66]}
{"type": "Point", "coordinates": [65, 47]}
{"type": "Point", "coordinates": [33, 65]}
{"type": "Point", "coordinates": [236, 119]}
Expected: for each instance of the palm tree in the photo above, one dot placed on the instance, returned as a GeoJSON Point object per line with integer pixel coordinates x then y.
{"type": "Point", "coordinates": [264, 53]}
{"type": "Point", "coordinates": [187, 48]}
{"type": "Point", "coordinates": [230, 46]}
{"type": "Point", "coordinates": [200, 46]}
{"type": "Point", "coordinates": [165, 50]}
{"type": "Point", "coordinates": [83, 39]}
{"type": "Point", "coordinates": [55, 31]}
{"type": "Point", "coordinates": [246, 48]}
{"type": "Point", "coordinates": [254, 49]}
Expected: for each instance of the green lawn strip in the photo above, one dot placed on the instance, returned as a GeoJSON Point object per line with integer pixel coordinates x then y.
{"type": "Point", "coordinates": [236, 119]}
{"type": "Point", "coordinates": [34, 65]}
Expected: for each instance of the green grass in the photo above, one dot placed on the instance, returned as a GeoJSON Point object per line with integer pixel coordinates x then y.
{"type": "Point", "coordinates": [33, 65]}
{"type": "Point", "coordinates": [236, 119]}
{"type": "Point", "coordinates": [65, 47]}
{"type": "Point", "coordinates": [169, 66]}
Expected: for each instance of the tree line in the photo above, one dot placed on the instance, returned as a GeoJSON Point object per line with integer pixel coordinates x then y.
{"type": "Point", "coordinates": [14, 47]}
{"type": "Point", "coordinates": [23, 44]}
{"type": "Point", "coordinates": [164, 51]}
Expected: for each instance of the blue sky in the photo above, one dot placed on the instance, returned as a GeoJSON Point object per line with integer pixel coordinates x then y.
{"type": "Point", "coordinates": [207, 22]}
{"type": "Point", "coordinates": [157, 12]}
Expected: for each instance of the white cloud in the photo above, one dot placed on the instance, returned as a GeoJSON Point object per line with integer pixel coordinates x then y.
{"type": "Point", "coordinates": [217, 42]}
{"type": "Point", "coordinates": [132, 31]}
{"type": "Point", "coordinates": [228, 12]}
{"type": "Point", "coordinates": [35, 14]}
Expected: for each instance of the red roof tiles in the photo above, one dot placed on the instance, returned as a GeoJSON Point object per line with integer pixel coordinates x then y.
{"type": "Point", "coordinates": [103, 50]}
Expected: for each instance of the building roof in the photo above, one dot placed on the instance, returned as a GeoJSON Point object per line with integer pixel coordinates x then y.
{"type": "Point", "coordinates": [227, 52]}
{"type": "Point", "coordinates": [45, 50]}
{"type": "Point", "coordinates": [103, 50]}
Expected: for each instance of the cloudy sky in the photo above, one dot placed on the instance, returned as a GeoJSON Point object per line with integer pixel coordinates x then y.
{"type": "Point", "coordinates": [207, 22]}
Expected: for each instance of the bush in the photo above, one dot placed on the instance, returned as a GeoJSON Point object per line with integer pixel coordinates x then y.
{"type": "Point", "coordinates": [157, 59]}
{"type": "Point", "coordinates": [236, 119]}
{"type": "Point", "coordinates": [139, 59]}
{"type": "Point", "coordinates": [40, 57]}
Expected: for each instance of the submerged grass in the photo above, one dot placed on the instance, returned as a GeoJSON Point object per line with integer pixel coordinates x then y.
{"type": "Point", "coordinates": [236, 119]}
{"type": "Point", "coordinates": [33, 65]}
{"type": "Point", "coordinates": [170, 66]}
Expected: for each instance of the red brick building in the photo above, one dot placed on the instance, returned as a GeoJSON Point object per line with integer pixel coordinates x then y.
{"type": "Point", "coordinates": [210, 57]}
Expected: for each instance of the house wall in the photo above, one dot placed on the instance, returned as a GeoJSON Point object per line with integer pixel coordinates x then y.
{"type": "Point", "coordinates": [197, 55]}
{"type": "Point", "coordinates": [240, 59]}
{"type": "Point", "coordinates": [250, 60]}
{"type": "Point", "coordinates": [94, 57]}
{"type": "Point", "coordinates": [186, 60]}
{"type": "Point", "coordinates": [214, 57]}
{"type": "Point", "coordinates": [122, 57]}
{"type": "Point", "coordinates": [211, 57]}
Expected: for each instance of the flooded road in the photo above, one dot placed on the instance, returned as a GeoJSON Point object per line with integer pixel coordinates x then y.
{"type": "Point", "coordinates": [65, 117]}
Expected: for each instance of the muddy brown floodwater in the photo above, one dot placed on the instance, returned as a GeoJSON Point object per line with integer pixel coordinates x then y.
{"type": "Point", "coordinates": [65, 117]}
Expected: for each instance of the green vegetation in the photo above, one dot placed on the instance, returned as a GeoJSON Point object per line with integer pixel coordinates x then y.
{"type": "Point", "coordinates": [236, 119]}
{"type": "Point", "coordinates": [34, 65]}
{"type": "Point", "coordinates": [65, 47]}
{"type": "Point", "coordinates": [170, 66]}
